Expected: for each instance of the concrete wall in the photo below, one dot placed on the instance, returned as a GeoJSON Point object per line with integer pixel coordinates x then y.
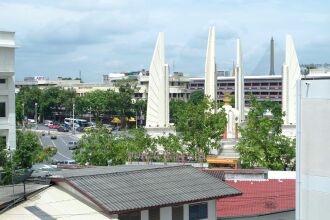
{"type": "Point", "coordinates": [313, 150]}
{"type": "Point", "coordinates": [166, 212]}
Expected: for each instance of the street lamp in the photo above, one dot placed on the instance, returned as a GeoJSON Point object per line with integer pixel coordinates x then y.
{"type": "Point", "coordinates": [73, 130]}
{"type": "Point", "coordinates": [36, 114]}
{"type": "Point", "coordinates": [134, 102]}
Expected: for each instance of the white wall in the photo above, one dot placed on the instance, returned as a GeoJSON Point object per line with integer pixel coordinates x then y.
{"type": "Point", "coordinates": [7, 91]}
{"type": "Point", "coordinates": [313, 150]}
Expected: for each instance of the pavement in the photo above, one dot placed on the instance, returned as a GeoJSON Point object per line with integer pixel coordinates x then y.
{"type": "Point", "coordinates": [61, 142]}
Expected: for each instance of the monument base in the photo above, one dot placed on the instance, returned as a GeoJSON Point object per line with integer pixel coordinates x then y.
{"type": "Point", "coordinates": [160, 131]}
{"type": "Point", "coordinates": [228, 149]}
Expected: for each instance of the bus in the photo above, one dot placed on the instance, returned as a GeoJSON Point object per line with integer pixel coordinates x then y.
{"type": "Point", "coordinates": [78, 122]}
{"type": "Point", "coordinates": [215, 162]}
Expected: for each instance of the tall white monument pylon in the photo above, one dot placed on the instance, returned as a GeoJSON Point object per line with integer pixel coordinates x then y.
{"type": "Point", "coordinates": [157, 121]}
{"type": "Point", "coordinates": [290, 75]}
{"type": "Point", "coordinates": [239, 82]}
{"type": "Point", "coordinates": [210, 67]}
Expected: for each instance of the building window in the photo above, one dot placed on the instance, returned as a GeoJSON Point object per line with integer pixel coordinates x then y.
{"type": "Point", "coordinates": [198, 211]}
{"type": "Point", "coordinates": [154, 214]}
{"type": "Point", "coordinates": [130, 216]}
{"type": "Point", "coordinates": [2, 109]}
{"type": "Point", "coordinates": [2, 81]}
{"type": "Point", "coordinates": [177, 213]}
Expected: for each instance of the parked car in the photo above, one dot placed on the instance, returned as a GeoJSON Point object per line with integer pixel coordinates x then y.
{"type": "Point", "coordinates": [53, 136]}
{"type": "Point", "coordinates": [73, 145]}
{"type": "Point", "coordinates": [48, 122]}
{"type": "Point", "coordinates": [63, 129]}
{"type": "Point", "coordinates": [53, 126]}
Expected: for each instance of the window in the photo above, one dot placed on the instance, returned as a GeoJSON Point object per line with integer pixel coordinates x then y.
{"type": "Point", "coordinates": [154, 214]}
{"type": "Point", "coordinates": [198, 211]}
{"type": "Point", "coordinates": [2, 109]}
{"type": "Point", "coordinates": [177, 213]}
{"type": "Point", "coordinates": [2, 81]}
{"type": "Point", "coordinates": [130, 216]}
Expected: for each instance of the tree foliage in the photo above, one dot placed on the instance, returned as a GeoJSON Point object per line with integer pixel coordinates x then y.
{"type": "Point", "coordinates": [262, 143]}
{"type": "Point", "coordinates": [197, 96]}
{"type": "Point", "coordinates": [28, 148]}
{"type": "Point", "coordinates": [201, 128]}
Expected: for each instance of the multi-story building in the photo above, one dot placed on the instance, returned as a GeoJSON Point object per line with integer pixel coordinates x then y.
{"type": "Point", "coordinates": [262, 87]}
{"type": "Point", "coordinates": [7, 88]}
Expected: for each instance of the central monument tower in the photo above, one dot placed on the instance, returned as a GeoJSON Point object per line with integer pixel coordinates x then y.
{"type": "Point", "coordinates": [157, 121]}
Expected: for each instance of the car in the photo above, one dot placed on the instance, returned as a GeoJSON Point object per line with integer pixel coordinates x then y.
{"type": "Point", "coordinates": [73, 145]}
{"type": "Point", "coordinates": [53, 126]}
{"type": "Point", "coordinates": [63, 129]}
{"type": "Point", "coordinates": [53, 136]}
{"type": "Point", "coordinates": [48, 122]}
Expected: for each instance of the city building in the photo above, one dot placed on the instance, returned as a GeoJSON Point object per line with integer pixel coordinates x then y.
{"type": "Point", "coordinates": [7, 88]}
{"type": "Point", "coordinates": [127, 192]}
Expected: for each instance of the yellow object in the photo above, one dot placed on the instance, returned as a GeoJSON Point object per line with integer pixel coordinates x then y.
{"type": "Point", "coordinates": [131, 119]}
{"type": "Point", "coordinates": [116, 120]}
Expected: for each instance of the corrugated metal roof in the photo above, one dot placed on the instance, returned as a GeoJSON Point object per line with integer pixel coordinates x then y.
{"type": "Point", "coordinates": [140, 187]}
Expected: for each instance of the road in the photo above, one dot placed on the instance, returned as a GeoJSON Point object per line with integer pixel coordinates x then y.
{"type": "Point", "coordinates": [61, 143]}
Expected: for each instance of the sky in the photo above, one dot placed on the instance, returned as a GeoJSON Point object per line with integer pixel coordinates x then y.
{"type": "Point", "coordinates": [95, 37]}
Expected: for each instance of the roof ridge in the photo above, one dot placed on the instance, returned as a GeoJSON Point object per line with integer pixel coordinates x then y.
{"type": "Point", "coordinates": [132, 171]}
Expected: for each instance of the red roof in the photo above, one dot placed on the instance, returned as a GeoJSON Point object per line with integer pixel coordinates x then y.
{"type": "Point", "coordinates": [259, 197]}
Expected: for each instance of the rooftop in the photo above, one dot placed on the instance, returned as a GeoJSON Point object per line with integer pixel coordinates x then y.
{"type": "Point", "coordinates": [126, 188]}
{"type": "Point", "coordinates": [259, 197]}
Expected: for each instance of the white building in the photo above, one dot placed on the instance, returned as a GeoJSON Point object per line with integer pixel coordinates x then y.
{"type": "Point", "coordinates": [313, 150]}
{"type": "Point", "coordinates": [7, 88]}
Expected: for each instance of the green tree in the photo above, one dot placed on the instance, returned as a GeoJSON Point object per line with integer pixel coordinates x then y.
{"type": "Point", "coordinates": [28, 148]}
{"type": "Point", "coordinates": [172, 146]}
{"type": "Point", "coordinates": [201, 128]}
{"type": "Point", "coordinates": [19, 111]}
{"type": "Point", "coordinates": [98, 148]}
{"type": "Point", "coordinates": [262, 143]}
{"type": "Point", "coordinates": [56, 99]}
{"type": "Point", "coordinates": [197, 96]}
{"type": "Point", "coordinates": [175, 107]}
{"type": "Point", "coordinates": [3, 152]}
{"type": "Point", "coordinates": [29, 96]}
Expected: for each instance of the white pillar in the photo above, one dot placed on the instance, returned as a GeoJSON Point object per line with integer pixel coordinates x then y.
{"type": "Point", "coordinates": [145, 214]}
{"type": "Point", "coordinates": [291, 73]}
{"type": "Point", "coordinates": [212, 210]}
{"type": "Point", "coordinates": [210, 67]}
{"type": "Point", "coordinates": [239, 83]}
{"type": "Point", "coordinates": [185, 212]}
{"type": "Point", "coordinates": [166, 213]}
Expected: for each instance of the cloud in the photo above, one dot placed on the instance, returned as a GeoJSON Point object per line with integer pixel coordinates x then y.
{"type": "Point", "coordinates": [99, 36]}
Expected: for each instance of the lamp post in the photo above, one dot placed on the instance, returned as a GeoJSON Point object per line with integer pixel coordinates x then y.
{"type": "Point", "coordinates": [134, 102]}
{"type": "Point", "coordinates": [90, 114]}
{"type": "Point", "coordinates": [73, 129]}
{"type": "Point", "coordinates": [36, 114]}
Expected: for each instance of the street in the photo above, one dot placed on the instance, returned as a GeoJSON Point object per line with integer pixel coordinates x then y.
{"type": "Point", "coordinates": [61, 142]}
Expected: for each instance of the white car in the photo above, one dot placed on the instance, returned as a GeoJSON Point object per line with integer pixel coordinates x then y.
{"type": "Point", "coordinates": [48, 122]}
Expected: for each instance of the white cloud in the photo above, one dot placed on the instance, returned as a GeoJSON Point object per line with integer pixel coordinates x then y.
{"type": "Point", "coordinates": [98, 36]}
